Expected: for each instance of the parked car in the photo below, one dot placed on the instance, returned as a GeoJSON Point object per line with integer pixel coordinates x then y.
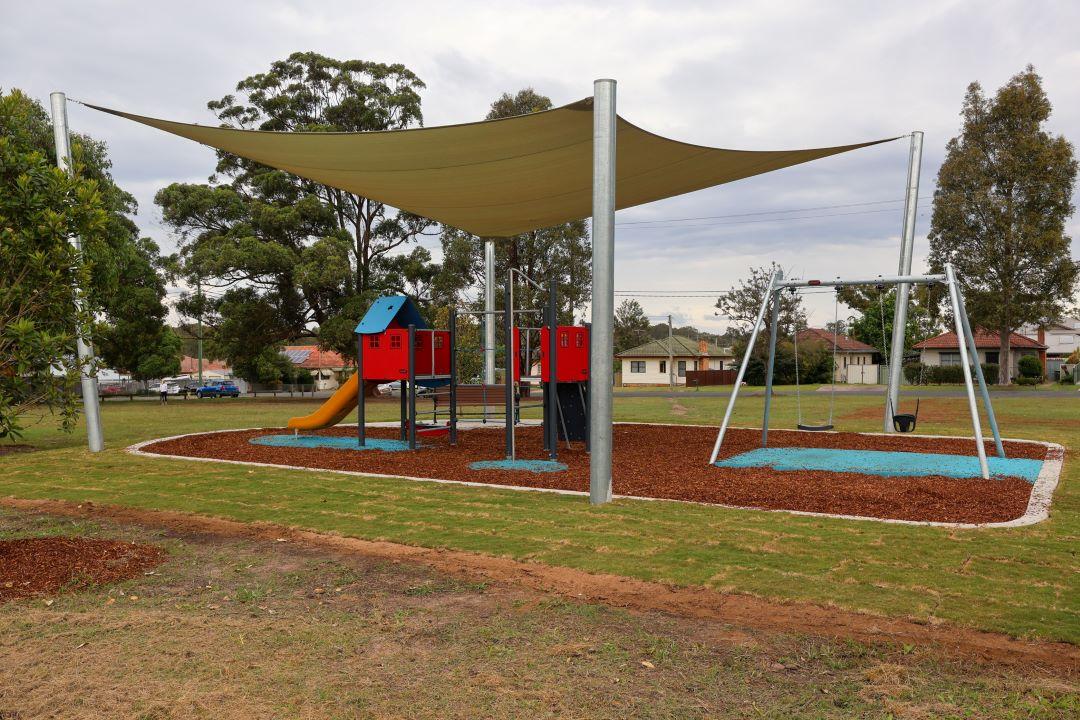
{"type": "Point", "coordinates": [218, 389]}
{"type": "Point", "coordinates": [393, 389]}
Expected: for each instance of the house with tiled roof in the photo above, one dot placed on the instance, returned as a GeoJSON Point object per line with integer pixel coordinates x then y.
{"type": "Point", "coordinates": [1061, 339]}
{"type": "Point", "coordinates": [211, 369]}
{"type": "Point", "coordinates": [648, 364]}
{"type": "Point", "coordinates": [327, 367]}
{"type": "Point", "coordinates": [854, 358]}
{"type": "Point", "coordinates": [944, 349]}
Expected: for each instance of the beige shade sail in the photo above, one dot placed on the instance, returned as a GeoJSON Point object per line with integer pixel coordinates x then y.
{"type": "Point", "coordinates": [500, 177]}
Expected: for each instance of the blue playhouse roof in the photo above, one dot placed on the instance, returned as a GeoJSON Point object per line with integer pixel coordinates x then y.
{"type": "Point", "coordinates": [387, 310]}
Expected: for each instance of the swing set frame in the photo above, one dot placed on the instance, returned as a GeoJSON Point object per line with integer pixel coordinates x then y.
{"type": "Point", "coordinates": [778, 284]}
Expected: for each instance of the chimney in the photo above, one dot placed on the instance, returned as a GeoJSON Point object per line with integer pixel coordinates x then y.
{"type": "Point", "coordinates": [702, 347]}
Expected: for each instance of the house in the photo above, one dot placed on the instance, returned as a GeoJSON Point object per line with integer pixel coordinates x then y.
{"type": "Point", "coordinates": [943, 349]}
{"type": "Point", "coordinates": [648, 364]}
{"type": "Point", "coordinates": [327, 367]}
{"type": "Point", "coordinates": [1061, 339]}
{"type": "Point", "coordinates": [854, 359]}
{"type": "Point", "coordinates": [211, 369]}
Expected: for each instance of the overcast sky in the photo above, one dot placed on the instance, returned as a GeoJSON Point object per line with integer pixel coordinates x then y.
{"type": "Point", "coordinates": [762, 75]}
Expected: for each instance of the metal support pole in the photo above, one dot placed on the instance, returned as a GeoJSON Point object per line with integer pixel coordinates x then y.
{"type": "Point", "coordinates": [742, 368]}
{"type": "Point", "coordinates": [360, 419]}
{"type": "Point", "coordinates": [412, 387]}
{"type": "Point", "coordinates": [404, 410]}
{"type": "Point", "coordinates": [974, 350]}
{"type": "Point", "coordinates": [774, 320]}
{"type": "Point", "coordinates": [511, 363]}
{"type": "Point", "coordinates": [489, 310]}
{"type": "Point", "coordinates": [954, 296]}
{"type": "Point", "coordinates": [903, 290]}
{"type": "Point", "coordinates": [670, 355]}
{"type": "Point", "coordinates": [551, 393]}
{"type": "Point", "coordinates": [198, 285]}
{"type": "Point", "coordinates": [88, 378]}
{"type": "Point", "coordinates": [453, 376]}
{"type": "Point", "coordinates": [603, 291]}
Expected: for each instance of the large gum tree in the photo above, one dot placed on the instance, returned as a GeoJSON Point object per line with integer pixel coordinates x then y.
{"type": "Point", "coordinates": [278, 254]}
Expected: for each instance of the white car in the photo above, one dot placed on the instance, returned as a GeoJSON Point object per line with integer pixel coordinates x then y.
{"type": "Point", "coordinates": [393, 389]}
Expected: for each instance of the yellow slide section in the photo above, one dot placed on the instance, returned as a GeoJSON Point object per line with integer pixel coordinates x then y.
{"type": "Point", "coordinates": [333, 411]}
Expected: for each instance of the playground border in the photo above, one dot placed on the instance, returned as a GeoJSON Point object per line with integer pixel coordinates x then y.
{"type": "Point", "coordinates": [1038, 508]}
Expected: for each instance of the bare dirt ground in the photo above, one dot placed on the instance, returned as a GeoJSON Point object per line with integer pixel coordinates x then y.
{"type": "Point", "coordinates": [660, 461]}
{"type": "Point", "coordinates": [260, 621]}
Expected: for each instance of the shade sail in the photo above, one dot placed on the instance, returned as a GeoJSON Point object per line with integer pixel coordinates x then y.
{"type": "Point", "coordinates": [500, 177]}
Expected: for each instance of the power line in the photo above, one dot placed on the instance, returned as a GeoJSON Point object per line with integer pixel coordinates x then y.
{"type": "Point", "coordinates": [768, 220]}
{"type": "Point", "coordinates": [769, 212]}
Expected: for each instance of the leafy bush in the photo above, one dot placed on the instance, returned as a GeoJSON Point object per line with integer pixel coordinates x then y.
{"type": "Point", "coordinates": [917, 373]}
{"type": "Point", "coordinates": [1030, 367]}
{"type": "Point", "coordinates": [1028, 380]}
{"type": "Point", "coordinates": [304, 377]}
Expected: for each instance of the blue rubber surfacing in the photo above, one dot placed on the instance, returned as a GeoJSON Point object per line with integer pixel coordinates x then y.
{"type": "Point", "coordinates": [882, 462]}
{"type": "Point", "coordinates": [534, 466]}
{"type": "Point", "coordinates": [329, 441]}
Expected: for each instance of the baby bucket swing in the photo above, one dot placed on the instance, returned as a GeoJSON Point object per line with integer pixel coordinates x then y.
{"type": "Point", "coordinates": [832, 385]}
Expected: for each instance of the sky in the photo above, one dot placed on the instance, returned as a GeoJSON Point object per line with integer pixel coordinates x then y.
{"type": "Point", "coordinates": [754, 76]}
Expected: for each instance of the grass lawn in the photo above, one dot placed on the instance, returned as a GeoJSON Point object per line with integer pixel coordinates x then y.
{"type": "Point", "coordinates": [1022, 581]}
{"type": "Point", "coordinates": [242, 628]}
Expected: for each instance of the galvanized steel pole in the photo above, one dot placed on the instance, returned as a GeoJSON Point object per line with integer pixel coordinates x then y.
{"type": "Point", "coordinates": [670, 355]}
{"type": "Point", "coordinates": [976, 426]}
{"type": "Point", "coordinates": [489, 311]}
{"type": "Point", "coordinates": [91, 402]}
{"type": "Point", "coordinates": [774, 320]}
{"type": "Point", "coordinates": [973, 348]}
{"type": "Point", "coordinates": [603, 291]}
{"type": "Point", "coordinates": [903, 290]}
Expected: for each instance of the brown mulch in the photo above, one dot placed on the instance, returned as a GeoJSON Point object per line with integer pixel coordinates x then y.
{"type": "Point", "coordinates": [9, 449]}
{"type": "Point", "coordinates": [670, 462]}
{"type": "Point", "coordinates": [45, 566]}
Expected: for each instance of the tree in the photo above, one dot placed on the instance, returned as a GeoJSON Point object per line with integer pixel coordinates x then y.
{"type": "Point", "coordinates": [631, 325]}
{"type": "Point", "coordinates": [562, 253]}
{"type": "Point", "coordinates": [867, 326]}
{"type": "Point", "coordinates": [40, 210]}
{"type": "Point", "coordinates": [1004, 193]}
{"type": "Point", "coordinates": [742, 305]}
{"type": "Point", "coordinates": [288, 252]}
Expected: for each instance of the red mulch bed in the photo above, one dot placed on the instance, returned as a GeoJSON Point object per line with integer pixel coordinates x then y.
{"type": "Point", "coordinates": [663, 461]}
{"type": "Point", "coordinates": [44, 566]}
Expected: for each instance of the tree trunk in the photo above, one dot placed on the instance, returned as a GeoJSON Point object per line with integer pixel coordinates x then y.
{"type": "Point", "coordinates": [1004, 361]}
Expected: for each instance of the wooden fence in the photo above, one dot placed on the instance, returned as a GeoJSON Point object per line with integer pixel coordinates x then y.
{"type": "Point", "coordinates": [700, 378]}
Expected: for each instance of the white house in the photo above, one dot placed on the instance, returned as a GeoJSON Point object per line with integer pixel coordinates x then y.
{"type": "Point", "coordinates": [1061, 340]}
{"type": "Point", "coordinates": [943, 349]}
{"type": "Point", "coordinates": [648, 364]}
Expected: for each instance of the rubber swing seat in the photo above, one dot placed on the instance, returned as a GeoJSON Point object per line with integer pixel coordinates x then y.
{"type": "Point", "coordinates": [814, 427]}
{"type": "Point", "coordinates": [904, 422]}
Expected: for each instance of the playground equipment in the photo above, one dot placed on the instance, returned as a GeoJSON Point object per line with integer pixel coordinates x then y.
{"type": "Point", "coordinates": [902, 422]}
{"type": "Point", "coordinates": [393, 343]}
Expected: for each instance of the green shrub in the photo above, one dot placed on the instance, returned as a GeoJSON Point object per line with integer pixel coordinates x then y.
{"type": "Point", "coordinates": [1030, 367]}
{"type": "Point", "coordinates": [1027, 380]}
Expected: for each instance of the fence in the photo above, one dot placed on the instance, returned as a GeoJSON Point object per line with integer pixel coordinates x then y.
{"type": "Point", "coordinates": [699, 378]}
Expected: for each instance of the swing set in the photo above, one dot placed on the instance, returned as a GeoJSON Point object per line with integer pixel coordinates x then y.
{"type": "Point", "coordinates": [901, 422]}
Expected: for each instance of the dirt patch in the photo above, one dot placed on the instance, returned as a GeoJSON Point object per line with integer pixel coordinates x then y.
{"type": "Point", "coordinates": [45, 566]}
{"type": "Point", "coordinates": [15, 449]}
{"type": "Point", "coordinates": [669, 462]}
{"type": "Point", "coordinates": [612, 590]}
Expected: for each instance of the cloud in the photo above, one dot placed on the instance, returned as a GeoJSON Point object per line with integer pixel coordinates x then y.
{"type": "Point", "coordinates": [742, 75]}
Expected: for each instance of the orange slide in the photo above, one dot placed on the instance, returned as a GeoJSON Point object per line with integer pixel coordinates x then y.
{"type": "Point", "coordinates": [331, 412]}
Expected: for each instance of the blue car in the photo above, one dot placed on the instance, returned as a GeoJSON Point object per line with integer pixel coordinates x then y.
{"type": "Point", "coordinates": [218, 389]}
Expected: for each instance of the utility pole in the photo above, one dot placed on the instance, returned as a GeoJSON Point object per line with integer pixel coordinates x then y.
{"type": "Point", "coordinates": [88, 381]}
{"type": "Point", "coordinates": [198, 285]}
